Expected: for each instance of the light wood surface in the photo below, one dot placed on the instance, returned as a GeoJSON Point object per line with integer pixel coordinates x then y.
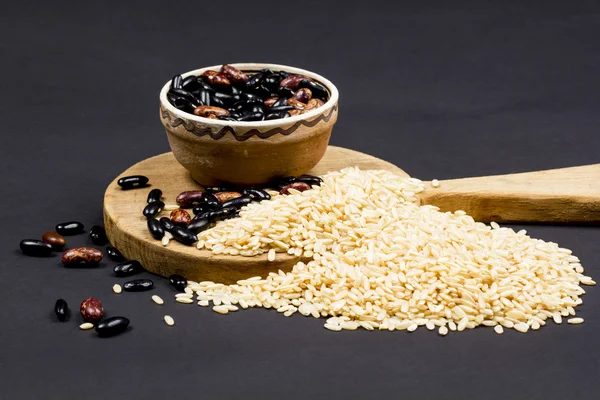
{"type": "Point", "coordinates": [568, 195]}
{"type": "Point", "coordinates": [126, 226]}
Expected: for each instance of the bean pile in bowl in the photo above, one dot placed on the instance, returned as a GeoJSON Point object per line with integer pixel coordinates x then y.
{"type": "Point", "coordinates": [233, 95]}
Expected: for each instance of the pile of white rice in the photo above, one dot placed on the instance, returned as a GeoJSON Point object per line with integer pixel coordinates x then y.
{"type": "Point", "coordinates": [381, 261]}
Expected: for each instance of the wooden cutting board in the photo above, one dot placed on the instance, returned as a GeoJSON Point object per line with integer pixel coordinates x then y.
{"type": "Point", "coordinates": [568, 195]}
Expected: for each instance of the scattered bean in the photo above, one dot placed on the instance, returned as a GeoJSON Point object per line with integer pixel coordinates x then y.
{"type": "Point", "coordinates": [91, 310]}
{"type": "Point", "coordinates": [166, 223]}
{"type": "Point", "coordinates": [114, 254]}
{"type": "Point", "coordinates": [86, 326]}
{"type": "Point", "coordinates": [152, 209]}
{"type": "Point", "coordinates": [138, 285]}
{"type": "Point", "coordinates": [35, 248]}
{"type": "Point", "coordinates": [112, 326]}
{"type": "Point", "coordinates": [299, 186]}
{"type": "Point", "coordinates": [222, 213]}
{"type": "Point", "coordinates": [210, 201]}
{"type": "Point", "coordinates": [154, 196]}
{"type": "Point", "coordinates": [81, 256]}
{"type": "Point", "coordinates": [133, 182]}
{"type": "Point", "coordinates": [98, 235]}
{"type": "Point", "coordinates": [198, 224]}
{"type": "Point", "coordinates": [180, 217]}
{"type": "Point", "coordinates": [238, 202]}
{"type": "Point", "coordinates": [257, 194]}
{"type": "Point", "coordinates": [184, 235]}
{"type": "Point", "coordinates": [225, 196]}
{"type": "Point", "coordinates": [155, 228]}
{"type": "Point", "coordinates": [61, 309]}
{"type": "Point", "coordinates": [310, 180]}
{"type": "Point", "coordinates": [216, 189]}
{"type": "Point", "coordinates": [69, 228]}
{"type": "Point", "coordinates": [189, 198]}
{"type": "Point", "coordinates": [128, 268]}
{"type": "Point", "coordinates": [178, 282]}
{"type": "Point", "coordinates": [54, 239]}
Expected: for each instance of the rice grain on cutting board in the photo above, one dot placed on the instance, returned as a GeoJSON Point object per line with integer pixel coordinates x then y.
{"type": "Point", "coordinates": [381, 260]}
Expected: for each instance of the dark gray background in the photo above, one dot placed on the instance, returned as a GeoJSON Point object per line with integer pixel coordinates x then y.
{"type": "Point", "coordinates": [445, 89]}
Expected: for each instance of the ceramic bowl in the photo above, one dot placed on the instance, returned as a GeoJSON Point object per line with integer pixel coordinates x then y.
{"type": "Point", "coordinates": [249, 153]}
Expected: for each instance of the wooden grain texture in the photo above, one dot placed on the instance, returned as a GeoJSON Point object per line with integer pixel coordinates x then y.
{"type": "Point", "coordinates": [126, 226]}
{"type": "Point", "coordinates": [566, 195]}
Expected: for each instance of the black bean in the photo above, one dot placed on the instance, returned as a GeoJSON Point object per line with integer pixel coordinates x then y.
{"type": "Point", "coordinates": [252, 116]}
{"type": "Point", "coordinates": [178, 282]}
{"type": "Point", "coordinates": [262, 91]}
{"type": "Point", "coordinates": [284, 74]}
{"type": "Point", "coordinates": [204, 96]}
{"type": "Point", "coordinates": [285, 92]}
{"type": "Point", "coordinates": [256, 194]}
{"type": "Point", "coordinates": [222, 213]}
{"type": "Point", "coordinates": [226, 98]}
{"type": "Point", "coordinates": [98, 235]}
{"type": "Point", "coordinates": [128, 268]}
{"type": "Point", "coordinates": [283, 182]}
{"type": "Point", "coordinates": [235, 115]}
{"type": "Point", "coordinates": [152, 209]}
{"type": "Point", "coordinates": [277, 115]}
{"type": "Point", "coordinates": [318, 91]}
{"type": "Point", "coordinates": [183, 235]}
{"type": "Point", "coordinates": [35, 248]}
{"type": "Point", "coordinates": [216, 102]}
{"type": "Point", "coordinates": [167, 224]}
{"type": "Point", "coordinates": [254, 80]}
{"type": "Point", "coordinates": [280, 109]}
{"type": "Point", "coordinates": [61, 309]}
{"type": "Point", "coordinates": [138, 285]}
{"type": "Point", "coordinates": [114, 254]}
{"type": "Point", "coordinates": [310, 179]}
{"type": "Point", "coordinates": [156, 229]}
{"type": "Point", "coordinates": [234, 90]}
{"type": "Point", "coordinates": [176, 82]}
{"type": "Point", "coordinates": [209, 201]}
{"type": "Point", "coordinates": [281, 102]}
{"type": "Point", "coordinates": [186, 95]}
{"type": "Point", "coordinates": [154, 196]}
{"type": "Point", "coordinates": [258, 108]}
{"type": "Point", "coordinates": [69, 228]}
{"type": "Point", "coordinates": [205, 86]}
{"type": "Point", "coordinates": [112, 326]}
{"type": "Point", "coordinates": [227, 118]}
{"type": "Point", "coordinates": [239, 107]}
{"type": "Point", "coordinates": [237, 202]}
{"type": "Point", "coordinates": [272, 81]}
{"type": "Point", "coordinates": [198, 224]}
{"type": "Point", "coordinates": [133, 182]}
{"type": "Point", "coordinates": [266, 71]}
{"type": "Point", "coordinates": [190, 83]}
{"type": "Point", "coordinates": [183, 104]}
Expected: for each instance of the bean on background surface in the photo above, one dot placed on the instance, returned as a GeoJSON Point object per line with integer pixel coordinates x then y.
{"type": "Point", "coordinates": [155, 228]}
{"type": "Point", "coordinates": [128, 268]}
{"type": "Point", "coordinates": [61, 309]}
{"type": "Point", "coordinates": [154, 196]}
{"type": "Point", "coordinates": [35, 248]}
{"type": "Point", "coordinates": [54, 239]}
{"type": "Point", "coordinates": [152, 209]}
{"type": "Point", "coordinates": [98, 235]}
{"type": "Point", "coordinates": [81, 256]}
{"type": "Point", "coordinates": [178, 282]}
{"type": "Point", "coordinates": [138, 285]}
{"type": "Point", "coordinates": [69, 228]}
{"type": "Point", "coordinates": [112, 326]}
{"type": "Point", "coordinates": [114, 254]}
{"type": "Point", "coordinates": [133, 182]}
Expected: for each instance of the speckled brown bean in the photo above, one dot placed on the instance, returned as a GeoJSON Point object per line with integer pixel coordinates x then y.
{"type": "Point", "coordinates": [214, 78]}
{"type": "Point", "coordinates": [207, 111]}
{"type": "Point", "coordinates": [313, 103]}
{"type": "Point", "coordinates": [270, 101]}
{"type": "Point", "coordinates": [180, 217]}
{"type": "Point", "coordinates": [189, 198]}
{"type": "Point", "coordinates": [303, 95]}
{"type": "Point", "coordinates": [225, 196]}
{"type": "Point", "coordinates": [295, 112]}
{"type": "Point", "coordinates": [234, 74]}
{"type": "Point", "coordinates": [81, 256]}
{"type": "Point", "coordinates": [298, 105]}
{"type": "Point", "coordinates": [91, 310]}
{"type": "Point", "coordinates": [292, 81]}
{"type": "Point", "coordinates": [54, 239]}
{"type": "Point", "coordinates": [299, 186]}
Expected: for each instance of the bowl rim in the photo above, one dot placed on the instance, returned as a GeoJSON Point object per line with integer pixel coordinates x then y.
{"type": "Point", "coordinates": [333, 98]}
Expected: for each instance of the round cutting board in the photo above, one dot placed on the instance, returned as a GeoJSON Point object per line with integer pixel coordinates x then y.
{"type": "Point", "coordinates": [127, 230]}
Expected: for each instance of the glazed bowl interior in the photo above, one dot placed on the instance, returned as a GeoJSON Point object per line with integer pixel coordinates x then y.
{"type": "Point", "coordinates": [252, 68]}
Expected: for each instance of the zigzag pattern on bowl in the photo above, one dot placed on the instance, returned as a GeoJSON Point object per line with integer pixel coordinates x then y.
{"type": "Point", "coordinates": [198, 131]}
